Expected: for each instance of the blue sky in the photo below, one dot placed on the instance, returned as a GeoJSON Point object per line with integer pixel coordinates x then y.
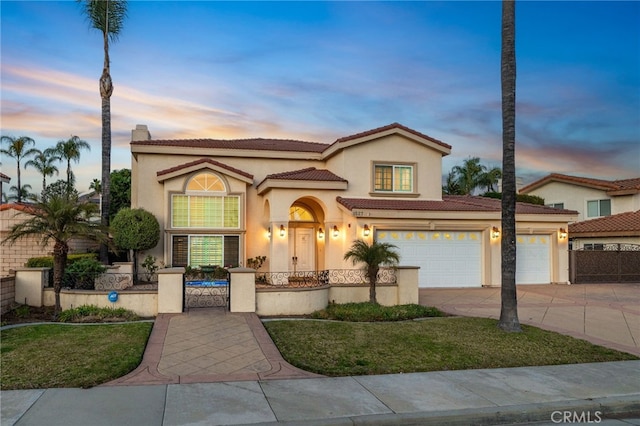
{"type": "Point", "coordinates": [317, 71]}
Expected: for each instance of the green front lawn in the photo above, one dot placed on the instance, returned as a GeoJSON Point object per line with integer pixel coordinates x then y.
{"type": "Point", "coordinates": [54, 355]}
{"type": "Point", "coordinates": [434, 344]}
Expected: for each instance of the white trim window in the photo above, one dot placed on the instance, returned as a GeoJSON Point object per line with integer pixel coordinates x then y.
{"type": "Point", "coordinates": [393, 178]}
{"type": "Point", "coordinates": [598, 208]}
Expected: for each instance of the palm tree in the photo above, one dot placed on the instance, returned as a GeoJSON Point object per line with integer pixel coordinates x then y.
{"type": "Point", "coordinates": [490, 178]}
{"type": "Point", "coordinates": [43, 163]}
{"type": "Point", "coordinates": [70, 150]}
{"type": "Point", "coordinates": [373, 256]}
{"type": "Point", "coordinates": [469, 175]}
{"type": "Point", "coordinates": [58, 217]}
{"type": "Point", "coordinates": [451, 187]}
{"type": "Point", "coordinates": [96, 186]}
{"type": "Point", "coordinates": [18, 148]}
{"type": "Point", "coordinates": [509, 307]}
{"type": "Point", "coordinates": [19, 193]}
{"type": "Point", "coordinates": [107, 17]}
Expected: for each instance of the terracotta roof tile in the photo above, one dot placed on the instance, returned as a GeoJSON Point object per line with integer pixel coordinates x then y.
{"type": "Point", "coordinates": [628, 222]}
{"type": "Point", "coordinates": [4, 177]}
{"type": "Point", "coordinates": [203, 161]}
{"type": "Point", "coordinates": [448, 203]}
{"type": "Point", "coordinates": [258, 144]}
{"type": "Point", "coordinates": [310, 173]}
{"type": "Point", "coordinates": [17, 206]}
{"type": "Point", "coordinates": [605, 185]}
{"type": "Point", "coordinates": [389, 127]}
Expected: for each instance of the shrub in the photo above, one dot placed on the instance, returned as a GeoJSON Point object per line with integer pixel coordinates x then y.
{"type": "Point", "coordinates": [95, 314]}
{"type": "Point", "coordinates": [135, 229]}
{"type": "Point", "coordinates": [369, 312]}
{"type": "Point", "coordinates": [82, 273]}
{"type": "Point", "coordinates": [47, 261]}
{"type": "Point", "coordinates": [150, 267]}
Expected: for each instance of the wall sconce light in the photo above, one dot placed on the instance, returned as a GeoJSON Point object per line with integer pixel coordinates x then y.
{"type": "Point", "coordinates": [269, 232]}
{"type": "Point", "coordinates": [335, 231]}
{"type": "Point", "coordinates": [282, 231]}
{"type": "Point", "coordinates": [562, 233]}
{"type": "Point", "coordinates": [495, 233]}
{"type": "Point", "coordinates": [320, 233]}
{"type": "Point", "coordinates": [366, 231]}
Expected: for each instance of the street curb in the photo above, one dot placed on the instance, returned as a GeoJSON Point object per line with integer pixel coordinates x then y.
{"type": "Point", "coordinates": [607, 407]}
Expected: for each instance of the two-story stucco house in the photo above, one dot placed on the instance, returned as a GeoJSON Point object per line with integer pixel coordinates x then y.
{"type": "Point", "coordinates": [302, 204]}
{"type": "Point", "coordinates": [606, 208]}
{"type": "Point", "coordinates": [591, 198]}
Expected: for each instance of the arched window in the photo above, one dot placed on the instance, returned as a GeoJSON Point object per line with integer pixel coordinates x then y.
{"type": "Point", "coordinates": [300, 213]}
{"type": "Point", "coordinates": [206, 182]}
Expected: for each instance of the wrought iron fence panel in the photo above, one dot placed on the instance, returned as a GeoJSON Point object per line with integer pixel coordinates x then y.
{"type": "Point", "coordinates": [207, 293]}
{"type": "Point", "coordinates": [290, 279]}
{"type": "Point", "coordinates": [96, 281]}
{"type": "Point", "coordinates": [308, 279]}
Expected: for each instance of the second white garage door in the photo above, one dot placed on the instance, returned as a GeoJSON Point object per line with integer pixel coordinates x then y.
{"type": "Point", "coordinates": [445, 258]}
{"type": "Point", "coordinates": [533, 259]}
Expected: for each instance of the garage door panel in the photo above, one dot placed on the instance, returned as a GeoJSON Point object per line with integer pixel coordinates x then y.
{"type": "Point", "coordinates": [446, 258]}
{"type": "Point", "coordinates": [533, 259]}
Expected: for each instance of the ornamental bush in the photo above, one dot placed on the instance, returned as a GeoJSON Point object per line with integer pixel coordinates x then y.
{"type": "Point", "coordinates": [135, 230]}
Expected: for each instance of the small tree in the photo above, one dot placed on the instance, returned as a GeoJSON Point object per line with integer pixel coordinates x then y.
{"type": "Point", "coordinates": [135, 230]}
{"type": "Point", "coordinates": [59, 216]}
{"type": "Point", "coordinates": [373, 256]}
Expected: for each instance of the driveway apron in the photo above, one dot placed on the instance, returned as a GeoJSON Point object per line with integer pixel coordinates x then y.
{"type": "Point", "coordinates": [603, 314]}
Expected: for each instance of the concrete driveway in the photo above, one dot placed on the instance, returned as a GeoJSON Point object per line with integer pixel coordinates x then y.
{"type": "Point", "coordinates": [604, 314]}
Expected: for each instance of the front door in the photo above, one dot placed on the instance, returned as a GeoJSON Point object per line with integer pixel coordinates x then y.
{"type": "Point", "coordinates": [302, 250]}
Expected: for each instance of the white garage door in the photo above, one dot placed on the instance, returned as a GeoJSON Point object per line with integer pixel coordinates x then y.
{"type": "Point", "coordinates": [445, 258]}
{"type": "Point", "coordinates": [533, 259]}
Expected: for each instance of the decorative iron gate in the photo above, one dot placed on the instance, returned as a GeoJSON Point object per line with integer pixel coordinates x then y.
{"type": "Point", "coordinates": [610, 263]}
{"type": "Point", "coordinates": [207, 293]}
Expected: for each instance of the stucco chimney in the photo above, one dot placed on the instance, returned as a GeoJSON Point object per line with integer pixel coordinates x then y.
{"type": "Point", "coordinates": [140, 133]}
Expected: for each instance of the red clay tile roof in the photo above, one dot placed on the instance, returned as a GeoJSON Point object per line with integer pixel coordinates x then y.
{"type": "Point", "coordinates": [389, 127]}
{"type": "Point", "coordinates": [605, 185]}
{"type": "Point", "coordinates": [310, 173]}
{"type": "Point", "coordinates": [204, 161]}
{"type": "Point", "coordinates": [261, 144]}
{"type": "Point", "coordinates": [4, 177]}
{"type": "Point", "coordinates": [258, 144]}
{"type": "Point", "coordinates": [623, 224]}
{"type": "Point", "coordinates": [16, 206]}
{"type": "Point", "coordinates": [448, 203]}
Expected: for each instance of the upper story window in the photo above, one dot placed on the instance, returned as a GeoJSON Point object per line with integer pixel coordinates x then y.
{"type": "Point", "coordinates": [556, 205]}
{"type": "Point", "coordinates": [396, 178]}
{"type": "Point", "coordinates": [597, 208]}
{"type": "Point", "coordinates": [205, 205]}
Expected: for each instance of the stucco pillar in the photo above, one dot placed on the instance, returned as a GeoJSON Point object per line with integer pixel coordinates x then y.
{"type": "Point", "coordinates": [30, 283]}
{"type": "Point", "coordinates": [170, 290]}
{"type": "Point", "coordinates": [407, 279]}
{"type": "Point", "coordinates": [242, 288]}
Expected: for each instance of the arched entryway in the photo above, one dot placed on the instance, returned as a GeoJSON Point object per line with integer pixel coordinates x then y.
{"type": "Point", "coordinates": [305, 222]}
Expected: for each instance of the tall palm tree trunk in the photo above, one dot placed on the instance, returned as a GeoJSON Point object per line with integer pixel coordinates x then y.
{"type": "Point", "coordinates": [106, 89]}
{"type": "Point", "coordinates": [509, 307]}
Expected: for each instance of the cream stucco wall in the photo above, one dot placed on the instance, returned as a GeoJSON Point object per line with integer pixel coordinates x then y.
{"type": "Point", "coordinates": [575, 197]}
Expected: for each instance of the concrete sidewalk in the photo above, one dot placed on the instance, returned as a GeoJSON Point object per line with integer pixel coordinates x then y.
{"type": "Point", "coordinates": [498, 396]}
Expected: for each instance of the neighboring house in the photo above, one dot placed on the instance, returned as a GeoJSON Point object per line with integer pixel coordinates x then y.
{"type": "Point", "coordinates": [623, 229]}
{"type": "Point", "coordinates": [591, 198]}
{"type": "Point", "coordinates": [302, 204]}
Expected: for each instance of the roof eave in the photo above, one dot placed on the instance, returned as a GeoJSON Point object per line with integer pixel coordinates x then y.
{"type": "Point", "coordinates": [269, 184]}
